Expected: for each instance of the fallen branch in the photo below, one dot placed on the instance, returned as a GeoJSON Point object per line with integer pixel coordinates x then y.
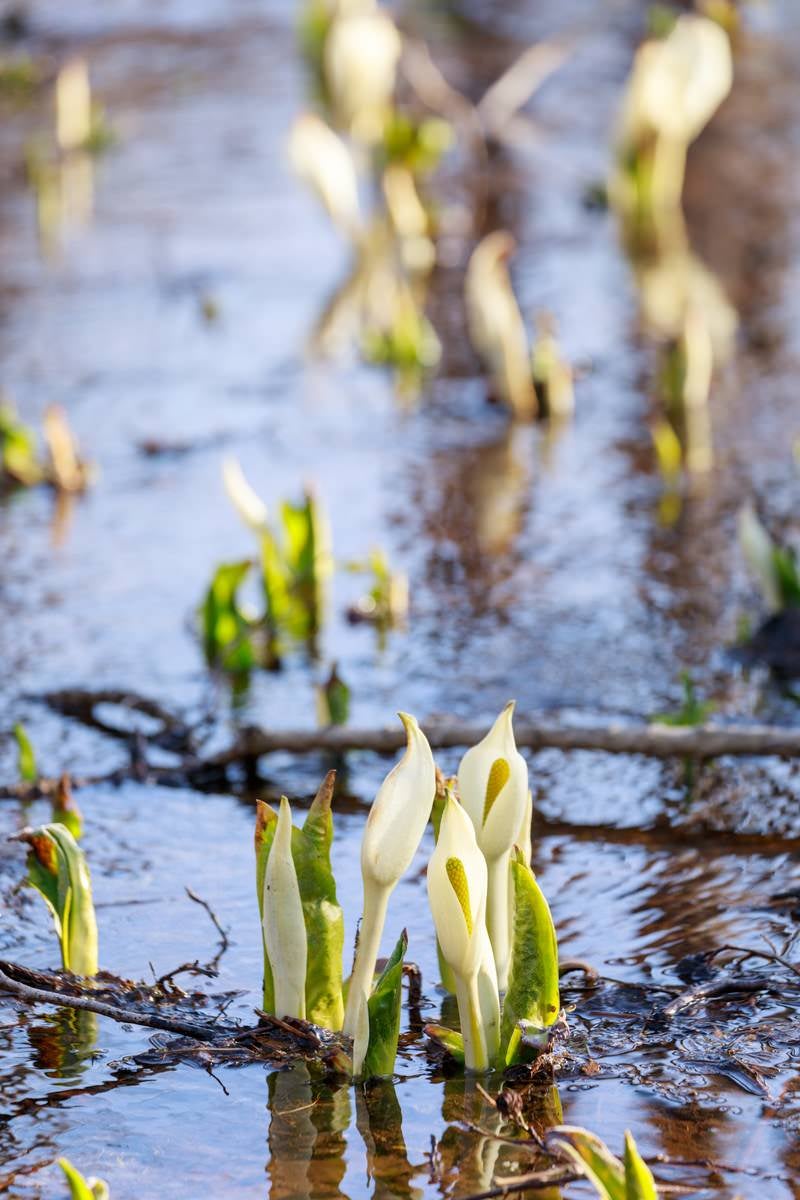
{"type": "Point", "coordinates": [129, 1016]}
{"type": "Point", "coordinates": [271, 1040]}
{"type": "Point", "coordinates": [252, 742]}
{"type": "Point", "coordinates": [655, 741]}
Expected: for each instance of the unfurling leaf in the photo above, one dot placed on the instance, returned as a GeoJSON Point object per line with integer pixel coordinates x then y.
{"type": "Point", "coordinates": [448, 1039]}
{"type": "Point", "coordinates": [57, 869]}
{"type": "Point", "coordinates": [384, 1015]}
{"type": "Point", "coordinates": [322, 914]}
{"type": "Point", "coordinates": [65, 810]}
{"type": "Point", "coordinates": [533, 979]}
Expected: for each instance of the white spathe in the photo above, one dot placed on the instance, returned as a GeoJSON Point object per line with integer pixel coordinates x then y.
{"type": "Point", "coordinates": [459, 936]}
{"type": "Point", "coordinates": [493, 787]}
{"type": "Point", "coordinates": [392, 835]}
{"type": "Point", "coordinates": [400, 811]}
{"type": "Point", "coordinates": [284, 928]}
{"type": "Point", "coordinates": [497, 829]}
{"type": "Point", "coordinates": [244, 498]}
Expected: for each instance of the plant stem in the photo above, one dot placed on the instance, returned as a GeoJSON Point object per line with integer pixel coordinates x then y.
{"type": "Point", "coordinates": [376, 900]}
{"type": "Point", "coordinates": [476, 1057]}
{"type": "Point", "coordinates": [497, 914]}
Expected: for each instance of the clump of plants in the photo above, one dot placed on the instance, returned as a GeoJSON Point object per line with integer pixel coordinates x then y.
{"type": "Point", "coordinates": [775, 567]}
{"type": "Point", "coordinates": [677, 82]}
{"type": "Point", "coordinates": [292, 566]}
{"type": "Point", "coordinates": [361, 130]}
{"type": "Point", "coordinates": [680, 76]}
{"type": "Point", "coordinates": [245, 627]}
{"type": "Point", "coordinates": [492, 922]}
{"type": "Point", "coordinates": [23, 465]}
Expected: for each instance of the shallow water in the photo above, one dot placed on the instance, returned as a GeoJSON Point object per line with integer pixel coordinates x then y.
{"type": "Point", "coordinates": [538, 569]}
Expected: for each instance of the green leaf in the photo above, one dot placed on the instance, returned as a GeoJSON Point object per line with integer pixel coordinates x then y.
{"type": "Point", "coordinates": [384, 1015]}
{"type": "Point", "coordinates": [80, 1188]}
{"type": "Point", "coordinates": [57, 869]}
{"type": "Point", "coordinates": [639, 1182]}
{"type": "Point", "coordinates": [333, 700]}
{"type": "Point", "coordinates": [26, 758]}
{"type": "Point", "coordinates": [226, 630]}
{"type": "Point", "coordinates": [18, 457]}
{"type": "Point", "coordinates": [323, 915]}
{"type": "Point", "coordinates": [591, 1157]}
{"type": "Point", "coordinates": [448, 1039]}
{"type": "Point", "coordinates": [299, 539]}
{"type": "Point", "coordinates": [533, 978]}
{"type": "Point", "coordinates": [787, 574]}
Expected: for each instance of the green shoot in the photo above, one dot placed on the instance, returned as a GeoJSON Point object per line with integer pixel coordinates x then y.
{"type": "Point", "coordinates": [692, 711]}
{"type": "Point", "coordinates": [57, 870]}
{"type": "Point", "coordinates": [333, 700]}
{"type": "Point", "coordinates": [26, 758]}
{"type": "Point", "coordinates": [81, 1188]}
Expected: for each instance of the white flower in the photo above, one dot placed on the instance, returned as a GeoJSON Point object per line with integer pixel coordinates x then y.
{"type": "Point", "coordinates": [248, 504]}
{"type": "Point", "coordinates": [400, 811]}
{"type": "Point", "coordinates": [284, 927]}
{"type": "Point", "coordinates": [457, 879]}
{"type": "Point", "coordinates": [493, 786]}
{"type": "Point", "coordinates": [457, 883]}
{"type": "Point", "coordinates": [393, 832]}
{"type": "Point", "coordinates": [361, 54]}
{"type": "Point", "coordinates": [322, 160]}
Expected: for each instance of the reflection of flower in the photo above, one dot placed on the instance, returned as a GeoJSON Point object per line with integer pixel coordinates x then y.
{"type": "Point", "coordinates": [322, 160]}
{"type": "Point", "coordinates": [360, 60]}
{"type": "Point", "coordinates": [496, 328]}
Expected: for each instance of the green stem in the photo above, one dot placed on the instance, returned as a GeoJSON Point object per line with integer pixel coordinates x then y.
{"type": "Point", "coordinates": [376, 900]}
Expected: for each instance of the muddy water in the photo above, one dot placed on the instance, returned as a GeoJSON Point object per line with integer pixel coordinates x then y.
{"type": "Point", "coordinates": [538, 569]}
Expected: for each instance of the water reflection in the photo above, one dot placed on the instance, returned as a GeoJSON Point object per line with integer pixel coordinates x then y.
{"type": "Point", "coordinates": [307, 1126]}
{"type": "Point", "coordinates": [379, 1120]}
{"type": "Point", "coordinates": [65, 1044]}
